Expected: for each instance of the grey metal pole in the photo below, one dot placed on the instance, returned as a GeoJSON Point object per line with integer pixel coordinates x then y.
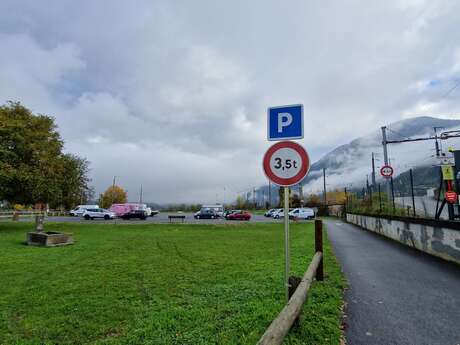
{"type": "Point", "coordinates": [392, 194]}
{"type": "Point", "coordinates": [324, 186]}
{"type": "Point", "coordinates": [287, 258]}
{"type": "Point", "coordinates": [269, 194]}
{"type": "Point", "coordinates": [113, 189]}
{"type": "Point", "coordinates": [373, 170]}
{"type": "Point", "coordinates": [346, 199]}
{"type": "Point", "coordinates": [385, 157]}
{"type": "Point", "coordinates": [301, 194]}
{"type": "Point", "coordinates": [412, 191]}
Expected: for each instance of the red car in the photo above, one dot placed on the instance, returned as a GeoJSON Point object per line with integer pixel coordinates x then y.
{"type": "Point", "coordinates": [239, 215]}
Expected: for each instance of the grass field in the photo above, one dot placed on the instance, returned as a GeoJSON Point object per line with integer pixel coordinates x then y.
{"type": "Point", "coordinates": [159, 284]}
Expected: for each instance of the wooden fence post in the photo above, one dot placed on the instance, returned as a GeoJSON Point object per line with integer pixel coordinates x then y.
{"type": "Point", "coordinates": [319, 248]}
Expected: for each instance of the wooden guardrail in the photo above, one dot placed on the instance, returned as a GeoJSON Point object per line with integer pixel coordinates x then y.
{"type": "Point", "coordinates": [14, 215]}
{"type": "Point", "coordinates": [279, 328]}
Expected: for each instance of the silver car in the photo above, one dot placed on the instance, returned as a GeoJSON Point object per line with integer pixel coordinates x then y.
{"type": "Point", "coordinates": [92, 213]}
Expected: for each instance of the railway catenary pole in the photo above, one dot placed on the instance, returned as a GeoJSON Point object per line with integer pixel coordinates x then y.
{"type": "Point", "coordinates": [373, 170]}
{"type": "Point", "coordinates": [324, 187]}
{"type": "Point", "coordinates": [385, 158]}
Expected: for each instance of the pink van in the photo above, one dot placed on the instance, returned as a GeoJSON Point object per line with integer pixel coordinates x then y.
{"type": "Point", "coordinates": [122, 209]}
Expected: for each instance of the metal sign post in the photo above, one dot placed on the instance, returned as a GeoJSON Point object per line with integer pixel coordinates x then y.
{"type": "Point", "coordinates": [286, 164]}
{"type": "Point", "coordinates": [287, 256]}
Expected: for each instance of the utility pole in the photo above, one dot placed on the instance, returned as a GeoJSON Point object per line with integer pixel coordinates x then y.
{"type": "Point", "coordinates": [140, 196]}
{"type": "Point", "coordinates": [113, 189]}
{"type": "Point", "coordinates": [254, 197]}
{"type": "Point", "coordinates": [385, 157]}
{"type": "Point", "coordinates": [367, 185]}
{"type": "Point", "coordinates": [269, 193]}
{"type": "Point", "coordinates": [436, 143]}
{"type": "Point", "coordinates": [373, 170]}
{"type": "Point", "coordinates": [324, 186]}
{"type": "Point", "coordinates": [301, 194]}
{"type": "Point", "coordinates": [412, 191]}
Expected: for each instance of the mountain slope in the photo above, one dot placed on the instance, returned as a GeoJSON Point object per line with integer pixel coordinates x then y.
{"type": "Point", "coordinates": [348, 165]}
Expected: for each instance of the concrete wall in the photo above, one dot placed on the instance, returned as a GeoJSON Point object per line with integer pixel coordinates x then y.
{"type": "Point", "coordinates": [436, 238]}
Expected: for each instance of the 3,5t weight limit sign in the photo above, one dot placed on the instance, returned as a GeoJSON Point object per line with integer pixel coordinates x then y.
{"type": "Point", "coordinates": [286, 163]}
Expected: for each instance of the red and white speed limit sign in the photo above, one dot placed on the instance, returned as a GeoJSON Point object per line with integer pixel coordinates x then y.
{"type": "Point", "coordinates": [286, 163]}
{"type": "Point", "coordinates": [386, 171]}
{"type": "Point", "coordinates": [451, 196]}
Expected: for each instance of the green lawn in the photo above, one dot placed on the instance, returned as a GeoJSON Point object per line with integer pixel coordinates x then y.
{"type": "Point", "coordinates": [159, 284]}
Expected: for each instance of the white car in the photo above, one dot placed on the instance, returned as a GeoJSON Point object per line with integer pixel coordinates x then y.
{"type": "Point", "coordinates": [80, 209]}
{"type": "Point", "coordinates": [92, 213]}
{"type": "Point", "coordinates": [302, 213]}
{"type": "Point", "coordinates": [278, 213]}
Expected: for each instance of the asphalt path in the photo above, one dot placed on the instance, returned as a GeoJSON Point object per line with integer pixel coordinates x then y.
{"type": "Point", "coordinates": [396, 294]}
{"type": "Point", "coordinates": [162, 218]}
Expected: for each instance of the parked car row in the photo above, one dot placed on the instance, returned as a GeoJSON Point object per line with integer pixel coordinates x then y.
{"type": "Point", "coordinates": [217, 211]}
{"type": "Point", "coordinates": [296, 213]}
{"type": "Point", "coordinates": [124, 211]}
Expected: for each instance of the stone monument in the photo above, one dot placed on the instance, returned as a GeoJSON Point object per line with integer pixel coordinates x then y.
{"type": "Point", "coordinates": [38, 237]}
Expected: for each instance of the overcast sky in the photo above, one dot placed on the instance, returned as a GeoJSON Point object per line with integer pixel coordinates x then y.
{"type": "Point", "coordinates": [173, 94]}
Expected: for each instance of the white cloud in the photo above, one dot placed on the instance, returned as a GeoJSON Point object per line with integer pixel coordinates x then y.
{"type": "Point", "coordinates": [141, 90]}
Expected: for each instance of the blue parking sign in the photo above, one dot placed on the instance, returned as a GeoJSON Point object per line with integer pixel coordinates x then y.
{"type": "Point", "coordinates": [285, 122]}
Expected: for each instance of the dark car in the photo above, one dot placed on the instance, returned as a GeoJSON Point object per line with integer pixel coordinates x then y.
{"type": "Point", "coordinates": [226, 213]}
{"type": "Point", "coordinates": [239, 215]}
{"type": "Point", "coordinates": [141, 214]}
{"type": "Point", "coordinates": [206, 214]}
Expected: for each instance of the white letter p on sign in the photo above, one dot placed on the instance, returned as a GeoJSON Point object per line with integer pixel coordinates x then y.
{"type": "Point", "coordinates": [284, 120]}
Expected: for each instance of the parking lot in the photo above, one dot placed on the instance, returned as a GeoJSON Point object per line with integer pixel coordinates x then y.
{"type": "Point", "coordinates": [162, 218]}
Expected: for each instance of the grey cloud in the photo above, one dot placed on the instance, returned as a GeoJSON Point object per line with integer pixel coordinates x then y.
{"type": "Point", "coordinates": [194, 79]}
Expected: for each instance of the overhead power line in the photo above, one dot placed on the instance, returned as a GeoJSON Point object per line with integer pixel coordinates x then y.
{"type": "Point", "coordinates": [451, 89]}
{"type": "Point", "coordinates": [443, 136]}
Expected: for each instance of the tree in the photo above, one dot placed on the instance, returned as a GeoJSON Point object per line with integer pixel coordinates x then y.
{"type": "Point", "coordinates": [75, 182]}
{"type": "Point", "coordinates": [336, 197]}
{"type": "Point", "coordinates": [113, 195]}
{"type": "Point", "coordinates": [240, 202]}
{"type": "Point", "coordinates": [313, 200]}
{"type": "Point", "coordinates": [33, 168]}
{"type": "Point", "coordinates": [295, 201]}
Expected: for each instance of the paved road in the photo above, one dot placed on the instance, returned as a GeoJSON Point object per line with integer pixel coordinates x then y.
{"type": "Point", "coordinates": [160, 219]}
{"type": "Point", "coordinates": [396, 295]}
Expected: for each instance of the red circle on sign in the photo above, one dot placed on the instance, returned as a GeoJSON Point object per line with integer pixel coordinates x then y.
{"type": "Point", "coordinates": [451, 196]}
{"type": "Point", "coordinates": [385, 173]}
{"type": "Point", "coordinates": [285, 182]}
